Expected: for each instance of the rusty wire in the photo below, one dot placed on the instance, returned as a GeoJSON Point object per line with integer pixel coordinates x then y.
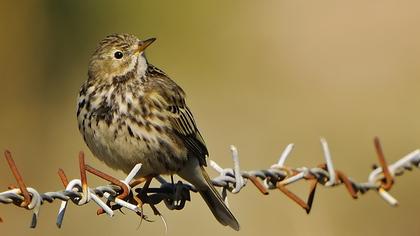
{"type": "Point", "coordinates": [125, 193]}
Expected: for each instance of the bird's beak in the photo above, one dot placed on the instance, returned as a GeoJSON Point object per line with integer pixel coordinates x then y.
{"type": "Point", "coordinates": [144, 44]}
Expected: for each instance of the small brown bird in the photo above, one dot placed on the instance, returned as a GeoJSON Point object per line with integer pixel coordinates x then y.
{"type": "Point", "coordinates": [131, 112]}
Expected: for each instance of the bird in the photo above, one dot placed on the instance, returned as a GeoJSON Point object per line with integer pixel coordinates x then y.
{"type": "Point", "coordinates": [131, 112]}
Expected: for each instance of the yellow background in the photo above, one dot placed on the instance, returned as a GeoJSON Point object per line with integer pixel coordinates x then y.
{"type": "Point", "coordinates": [258, 74]}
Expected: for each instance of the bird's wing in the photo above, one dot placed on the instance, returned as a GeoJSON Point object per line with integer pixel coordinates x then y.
{"type": "Point", "coordinates": [180, 117]}
{"type": "Point", "coordinates": [184, 125]}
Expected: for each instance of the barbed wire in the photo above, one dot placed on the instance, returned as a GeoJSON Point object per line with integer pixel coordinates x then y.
{"type": "Point", "coordinates": [125, 194]}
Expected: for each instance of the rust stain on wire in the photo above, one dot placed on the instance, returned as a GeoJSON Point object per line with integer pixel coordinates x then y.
{"type": "Point", "coordinates": [349, 186]}
{"type": "Point", "coordinates": [258, 185]}
{"type": "Point", "coordinates": [63, 177]}
{"type": "Point", "coordinates": [83, 178]}
{"type": "Point", "coordinates": [388, 181]}
{"type": "Point", "coordinates": [293, 196]}
{"type": "Point", "coordinates": [307, 206]}
{"type": "Point", "coordinates": [111, 179]}
{"type": "Point", "coordinates": [19, 179]}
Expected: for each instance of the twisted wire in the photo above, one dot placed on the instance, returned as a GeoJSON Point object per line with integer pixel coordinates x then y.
{"type": "Point", "coordinates": [121, 194]}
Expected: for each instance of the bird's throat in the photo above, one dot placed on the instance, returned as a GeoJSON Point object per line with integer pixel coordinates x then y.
{"type": "Point", "coordinates": [141, 65]}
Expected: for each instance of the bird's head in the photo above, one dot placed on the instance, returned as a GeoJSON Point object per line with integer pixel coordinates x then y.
{"type": "Point", "coordinates": [118, 55]}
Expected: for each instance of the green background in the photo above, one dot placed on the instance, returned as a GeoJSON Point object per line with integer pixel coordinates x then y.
{"type": "Point", "coordinates": [258, 74]}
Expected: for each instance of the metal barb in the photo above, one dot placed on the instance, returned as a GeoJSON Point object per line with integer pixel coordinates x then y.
{"type": "Point", "coordinates": [387, 197]}
{"type": "Point", "coordinates": [389, 181]}
{"type": "Point", "coordinates": [328, 160]}
{"type": "Point", "coordinates": [258, 185]}
{"type": "Point", "coordinates": [237, 170]}
{"type": "Point", "coordinates": [115, 181]}
{"type": "Point", "coordinates": [63, 177]}
{"type": "Point", "coordinates": [293, 197]}
{"type": "Point", "coordinates": [346, 181]}
{"type": "Point", "coordinates": [285, 154]}
{"type": "Point", "coordinates": [19, 179]}
{"type": "Point", "coordinates": [83, 176]}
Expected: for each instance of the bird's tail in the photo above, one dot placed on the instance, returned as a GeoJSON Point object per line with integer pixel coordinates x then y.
{"type": "Point", "coordinates": [215, 203]}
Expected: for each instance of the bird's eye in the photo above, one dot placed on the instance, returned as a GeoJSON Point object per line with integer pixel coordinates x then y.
{"type": "Point", "coordinates": [118, 54]}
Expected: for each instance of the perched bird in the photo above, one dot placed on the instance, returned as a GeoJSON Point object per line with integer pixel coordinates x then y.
{"type": "Point", "coordinates": [131, 112]}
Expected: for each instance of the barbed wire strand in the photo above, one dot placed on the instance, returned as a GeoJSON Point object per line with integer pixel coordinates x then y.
{"type": "Point", "coordinates": [125, 194]}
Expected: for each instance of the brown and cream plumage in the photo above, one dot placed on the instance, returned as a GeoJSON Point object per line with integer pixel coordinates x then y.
{"type": "Point", "coordinates": [131, 112]}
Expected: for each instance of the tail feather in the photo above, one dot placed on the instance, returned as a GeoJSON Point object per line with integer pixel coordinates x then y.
{"type": "Point", "coordinates": [197, 176]}
{"type": "Point", "coordinates": [216, 204]}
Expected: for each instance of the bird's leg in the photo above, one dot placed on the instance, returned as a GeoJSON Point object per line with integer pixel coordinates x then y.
{"type": "Point", "coordinates": [148, 181]}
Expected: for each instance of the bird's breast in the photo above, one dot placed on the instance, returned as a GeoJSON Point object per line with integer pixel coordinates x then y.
{"type": "Point", "coordinates": [124, 126]}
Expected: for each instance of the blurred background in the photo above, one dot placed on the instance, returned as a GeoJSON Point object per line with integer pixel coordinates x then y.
{"type": "Point", "coordinates": [258, 74]}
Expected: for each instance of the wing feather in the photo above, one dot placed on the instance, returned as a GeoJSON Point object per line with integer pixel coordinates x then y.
{"type": "Point", "coordinates": [184, 125]}
{"type": "Point", "coordinates": [180, 117]}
